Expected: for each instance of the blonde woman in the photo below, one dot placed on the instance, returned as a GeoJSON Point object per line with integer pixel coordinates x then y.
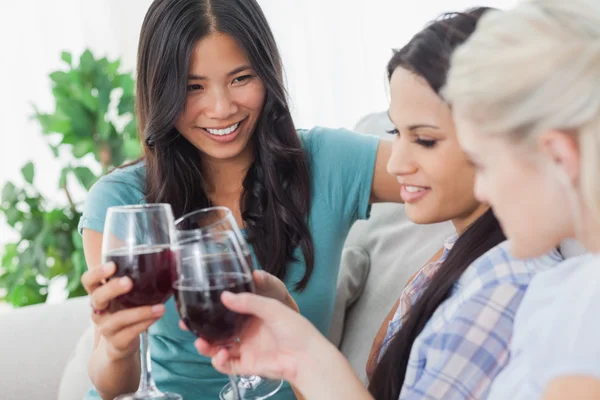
{"type": "Point", "coordinates": [525, 91]}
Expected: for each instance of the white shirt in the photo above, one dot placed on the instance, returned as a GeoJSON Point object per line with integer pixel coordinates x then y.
{"type": "Point", "coordinates": [556, 330]}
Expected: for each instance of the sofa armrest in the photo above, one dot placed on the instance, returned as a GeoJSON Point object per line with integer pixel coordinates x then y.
{"type": "Point", "coordinates": [35, 345]}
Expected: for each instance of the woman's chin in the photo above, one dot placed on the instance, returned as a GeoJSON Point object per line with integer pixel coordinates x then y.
{"type": "Point", "coordinates": [422, 216]}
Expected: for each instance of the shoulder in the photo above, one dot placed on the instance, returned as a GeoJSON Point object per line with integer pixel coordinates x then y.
{"type": "Point", "coordinates": [499, 266]}
{"type": "Point", "coordinates": [320, 139]}
{"type": "Point", "coordinates": [573, 348]}
{"type": "Point", "coordinates": [129, 180]}
{"type": "Point", "coordinates": [123, 186]}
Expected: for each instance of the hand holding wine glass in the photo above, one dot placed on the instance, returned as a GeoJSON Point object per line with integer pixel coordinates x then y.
{"type": "Point", "coordinates": [120, 329]}
{"type": "Point", "coordinates": [279, 343]}
{"type": "Point", "coordinates": [140, 267]}
{"type": "Point", "coordinates": [218, 220]}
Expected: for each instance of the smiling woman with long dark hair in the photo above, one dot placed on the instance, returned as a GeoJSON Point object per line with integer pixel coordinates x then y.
{"type": "Point", "coordinates": [217, 131]}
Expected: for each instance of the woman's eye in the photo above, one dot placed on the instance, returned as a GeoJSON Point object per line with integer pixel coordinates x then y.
{"type": "Point", "coordinates": [242, 78]}
{"type": "Point", "coordinates": [426, 143]}
{"type": "Point", "coordinates": [194, 87]}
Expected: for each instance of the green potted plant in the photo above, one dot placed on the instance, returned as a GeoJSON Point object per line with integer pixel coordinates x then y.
{"type": "Point", "coordinates": [94, 114]}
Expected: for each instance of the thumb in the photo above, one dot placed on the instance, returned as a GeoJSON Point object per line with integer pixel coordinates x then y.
{"type": "Point", "coordinates": [261, 307]}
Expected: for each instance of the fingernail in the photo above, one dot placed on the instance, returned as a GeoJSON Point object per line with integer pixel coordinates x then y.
{"type": "Point", "coordinates": [158, 309]}
{"type": "Point", "coordinates": [228, 296]}
{"type": "Point", "coordinates": [124, 281]}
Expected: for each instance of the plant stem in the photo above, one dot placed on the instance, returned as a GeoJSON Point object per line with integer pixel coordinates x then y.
{"type": "Point", "coordinates": [69, 198]}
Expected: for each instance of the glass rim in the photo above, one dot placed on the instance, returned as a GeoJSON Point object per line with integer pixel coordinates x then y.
{"type": "Point", "coordinates": [138, 207]}
{"type": "Point", "coordinates": [190, 241]}
{"type": "Point", "coordinates": [227, 210]}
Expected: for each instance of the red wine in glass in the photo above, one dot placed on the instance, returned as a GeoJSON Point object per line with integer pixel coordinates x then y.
{"type": "Point", "coordinates": [199, 302]}
{"type": "Point", "coordinates": [152, 271]}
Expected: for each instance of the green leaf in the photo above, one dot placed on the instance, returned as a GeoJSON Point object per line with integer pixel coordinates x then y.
{"type": "Point", "coordinates": [13, 216]}
{"type": "Point", "coordinates": [66, 57]}
{"type": "Point", "coordinates": [79, 267]}
{"type": "Point", "coordinates": [85, 176]}
{"type": "Point", "coordinates": [82, 148]}
{"type": "Point", "coordinates": [86, 63]}
{"type": "Point", "coordinates": [126, 105]}
{"type": "Point", "coordinates": [10, 252]}
{"type": "Point", "coordinates": [87, 98]}
{"type": "Point", "coordinates": [104, 87]}
{"type": "Point", "coordinates": [28, 172]}
{"type": "Point", "coordinates": [9, 193]}
{"type": "Point", "coordinates": [82, 121]}
{"type": "Point", "coordinates": [113, 67]}
{"type": "Point", "coordinates": [61, 78]}
{"type": "Point", "coordinates": [132, 148]}
{"type": "Point", "coordinates": [31, 228]}
{"type": "Point", "coordinates": [127, 83]}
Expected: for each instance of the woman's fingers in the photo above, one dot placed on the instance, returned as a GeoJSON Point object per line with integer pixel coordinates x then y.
{"type": "Point", "coordinates": [95, 277]}
{"type": "Point", "coordinates": [103, 295]}
{"type": "Point", "coordinates": [111, 325]}
{"type": "Point", "coordinates": [123, 339]}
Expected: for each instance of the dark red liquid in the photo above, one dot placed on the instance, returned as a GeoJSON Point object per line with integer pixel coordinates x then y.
{"type": "Point", "coordinates": [152, 271]}
{"type": "Point", "coordinates": [203, 313]}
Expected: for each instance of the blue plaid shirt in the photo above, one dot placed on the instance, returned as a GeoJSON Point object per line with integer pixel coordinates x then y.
{"type": "Point", "coordinates": [465, 344]}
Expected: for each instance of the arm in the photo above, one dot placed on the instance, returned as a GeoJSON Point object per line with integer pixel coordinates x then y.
{"type": "Point", "coordinates": [573, 387]}
{"type": "Point", "coordinates": [279, 343]}
{"type": "Point", "coordinates": [464, 357]}
{"type": "Point", "coordinates": [385, 188]}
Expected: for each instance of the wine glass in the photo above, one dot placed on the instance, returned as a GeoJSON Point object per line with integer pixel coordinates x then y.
{"type": "Point", "coordinates": [208, 220]}
{"type": "Point", "coordinates": [138, 240]}
{"type": "Point", "coordinates": [219, 219]}
{"type": "Point", "coordinates": [207, 266]}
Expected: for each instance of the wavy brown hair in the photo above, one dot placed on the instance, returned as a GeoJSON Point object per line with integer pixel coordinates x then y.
{"type": "Point", "coordinates": [428, 56]}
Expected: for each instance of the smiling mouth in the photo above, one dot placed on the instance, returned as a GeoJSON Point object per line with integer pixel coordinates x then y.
{"type": "Point", "coordinates": [225, 131]}
{"type": "Point", "coordinates": [414, 189]}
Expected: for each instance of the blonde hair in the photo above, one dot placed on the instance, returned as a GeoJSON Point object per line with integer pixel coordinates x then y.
{"type": "Point", "coordinates": [534, 68]}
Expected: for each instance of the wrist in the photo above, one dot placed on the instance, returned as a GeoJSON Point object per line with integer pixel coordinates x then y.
{"type": "Point", "coordinates": [335, 378]}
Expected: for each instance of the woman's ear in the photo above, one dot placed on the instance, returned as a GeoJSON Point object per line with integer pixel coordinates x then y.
{"type": "Point", "coordinates": [562, 149]}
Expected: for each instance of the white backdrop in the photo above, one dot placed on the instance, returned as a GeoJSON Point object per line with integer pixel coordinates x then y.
{"type": "Point", "coordinates": [334, 53]}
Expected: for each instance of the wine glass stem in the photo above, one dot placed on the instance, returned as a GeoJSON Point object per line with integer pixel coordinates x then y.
{"type": "Point", "coordinates": [146, 382]}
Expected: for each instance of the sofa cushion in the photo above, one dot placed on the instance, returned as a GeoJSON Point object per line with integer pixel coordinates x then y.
{"type": "Point", "coordinates": [396, 248]}
{"type": "Point", "coordinates": [351, 282]}
{"type": "Point", "coordinates": [35, 344]}
{"type": "Point", "coordinates": [75, 381]}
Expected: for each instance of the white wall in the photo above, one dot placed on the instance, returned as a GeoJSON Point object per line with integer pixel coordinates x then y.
{"type": "Point", "coordinates": [334, 53]}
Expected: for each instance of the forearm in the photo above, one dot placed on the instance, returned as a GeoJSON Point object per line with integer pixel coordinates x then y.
{"type": "Point", "coordinates": [113, 377]}
{"type": "Point", "coordinates": [324, 373]}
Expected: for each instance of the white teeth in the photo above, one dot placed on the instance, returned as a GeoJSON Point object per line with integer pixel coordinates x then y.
{"type": "Point", "coordinates": [223, 132]}
{"type": "Point", "coordinates": [413, 189]}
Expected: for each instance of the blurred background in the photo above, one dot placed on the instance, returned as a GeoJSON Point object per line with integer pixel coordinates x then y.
{"type": "Point", "coordinates": [66, 106]}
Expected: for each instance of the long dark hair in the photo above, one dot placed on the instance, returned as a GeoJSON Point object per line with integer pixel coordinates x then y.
{"type": "Point", "coordinates": [428, 56]}
{"type": "Point", "coordinates": [276, 190]}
